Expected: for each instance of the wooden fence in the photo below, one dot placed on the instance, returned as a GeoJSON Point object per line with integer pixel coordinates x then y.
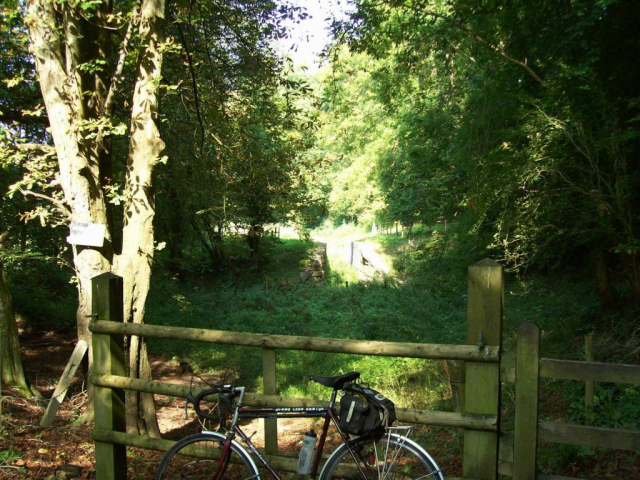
{"type": "Point", "coordinates": [525, 368]}
{"type": "Point", "coordinates": [483, 369]}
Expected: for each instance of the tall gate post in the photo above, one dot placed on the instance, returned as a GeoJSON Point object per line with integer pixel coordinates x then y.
{"type": "Point", "coordinates": [270, 388]}
{"type": "Point", "coordinates": [526, 422]}
{"type": "Point", "coordinates": [108, 359]}
{"type": "Point", "coordinates": [482, 380]}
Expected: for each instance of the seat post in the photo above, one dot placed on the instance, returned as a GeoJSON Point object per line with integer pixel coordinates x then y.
{"type": "Point", "coordinates": [332, 402]}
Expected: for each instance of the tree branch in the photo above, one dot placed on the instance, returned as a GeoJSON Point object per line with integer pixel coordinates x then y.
{"type": "Point", "coordinates": [502, 52]}
{"type": "Point", "coordinates": [10, 116]}
{"type": "Point", "coordinates": [117, 75]}
{"type": "Point", "coordinates": [60, 206]}
{"type": "Point", "coordinates": [194, 83]}
{"type": "Point", "coordinates": [493, 47]}
{"type": "Point", "coordinates": [34, 147]}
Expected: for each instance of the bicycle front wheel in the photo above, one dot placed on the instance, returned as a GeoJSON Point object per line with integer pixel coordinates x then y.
{"type": "Point", "coordinates": [198, 457]}
{"type": "Point", "coordinates": [381, 457]}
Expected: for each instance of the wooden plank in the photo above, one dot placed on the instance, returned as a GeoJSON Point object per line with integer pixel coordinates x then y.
{"type": "Point", "coordinates": [131, 440]}
{"type": "Point", "coordinates": [421, 417]}
{"type": "Point", "coordinates": [505, 455]}
{"type": "Point", "coordinates": [456, 371]}
{"type": "Point", "coordinates": [526, 417]}
{"type": "Point", "coordinates": [480, 452]}
{"type": "Point", "coordinates": [482, 387]}
{"type": "Point", "coordinates": [589, 436]}
{"type": "Point", "coordinates": [488, 354]}
{"type": "Point", "coordinates": [574, 370]}
{"type": "Point", "coordinates": [65, 381]}
{"type": "Point", "coordinates": [541, 476]}
{"type": "Point", "coordinates": [508, 367]}
{"type": "Point", "coordinates": [588, 385]}
{"type": "Point", "coordinates": [592, 371]}
{"type": "Point", "coordinates": [108, 358]}
{"type": "Point", "coordinates": [270, 388]}
{"type": "Point", "coordinates": [485, 302]}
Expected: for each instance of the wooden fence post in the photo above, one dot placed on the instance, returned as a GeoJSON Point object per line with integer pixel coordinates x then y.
{"type": "Point", "coordinates": [108, 359]}
{"type": "Point", "coordinates": [456, 372]}
{"type": "Point", "coordinates": [526, 422]}
{"type": "Point", "coordinates": [588, 385]}
{"type": "Point", "coordinates": [270, 388]}
{"type": "Point", "coordinates": [482, 387]}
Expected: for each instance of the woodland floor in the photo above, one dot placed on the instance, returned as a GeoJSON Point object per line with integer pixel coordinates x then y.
{"type": "Point", "coordinates": [30, 451]}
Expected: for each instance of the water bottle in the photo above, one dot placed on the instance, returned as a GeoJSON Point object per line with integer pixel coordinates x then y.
{"type": "Point", "coordinates": [305, 460]}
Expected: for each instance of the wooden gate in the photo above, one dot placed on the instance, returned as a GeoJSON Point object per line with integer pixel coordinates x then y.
{"type": "Point", "coordinates": [482, 367]}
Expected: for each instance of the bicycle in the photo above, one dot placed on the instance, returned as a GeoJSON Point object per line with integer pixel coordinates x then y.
{"type": "Point", "coordinates": [383, 454]}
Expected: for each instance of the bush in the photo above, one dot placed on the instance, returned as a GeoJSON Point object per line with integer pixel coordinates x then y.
{"type": "Point", "coordinates": [44, 296]}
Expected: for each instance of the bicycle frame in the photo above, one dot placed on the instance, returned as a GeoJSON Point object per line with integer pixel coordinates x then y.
{"type": "Point", "coordinates": [328, 413]}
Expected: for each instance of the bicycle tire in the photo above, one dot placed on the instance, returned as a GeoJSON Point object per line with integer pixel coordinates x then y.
{"type": "Point", "coordinates": [382, 457]}
{"type": "Point", "coordinates": [197, 456]}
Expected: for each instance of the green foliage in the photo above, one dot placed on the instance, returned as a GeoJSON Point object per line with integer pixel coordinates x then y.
{"type": "Point", "coordinates": [236, 131]}
{"type": "Point", "coordinates": [372, 311]}
{"type": "Point", "coordinates": [561, 455]}
{"type": "Point", "coordinates": [516, 120]}
{"type": "Point", "coordinates": [614, 406]}
{"type": "Point", "coordinates": [7, 457]}
{"type": "Point", "coordinates": [43, 295]}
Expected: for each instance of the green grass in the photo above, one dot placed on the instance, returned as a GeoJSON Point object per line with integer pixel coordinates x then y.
{"type": "Point", "coordinates": [336, 308]}
{"type": "Point", "coordinates": [364, 312]}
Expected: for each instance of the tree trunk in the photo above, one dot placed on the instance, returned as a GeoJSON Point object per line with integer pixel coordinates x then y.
{"type": "Point", "coordinates": [11, 369]}
{"type": "Point", "coordinates": [134, 263]}
{"type": "Point", "coordinates": [79, 170]}
{"type": "Point", "coordinates": [605, 290]}
{"type": "Point", "coordinates": [62, 39]}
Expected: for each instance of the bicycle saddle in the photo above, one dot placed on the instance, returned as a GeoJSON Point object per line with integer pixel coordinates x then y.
{"type": "Point", "coordinates": [337, 382]}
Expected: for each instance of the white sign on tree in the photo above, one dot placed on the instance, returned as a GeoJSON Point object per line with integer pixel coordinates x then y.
{"type": "Point", "coordinates": [86, 234]}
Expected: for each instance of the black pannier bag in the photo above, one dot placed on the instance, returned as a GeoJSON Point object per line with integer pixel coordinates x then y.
{"type": "Point", "coordinates": [364, 410]}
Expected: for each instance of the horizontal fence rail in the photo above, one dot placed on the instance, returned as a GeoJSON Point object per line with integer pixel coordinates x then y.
{"type": "Point", "coordinates": [589, 371]}
{"type": "Point", "coordinates": [574, 370]}
{"type": "Point", "coordinates": [593, 437]}
{"type": "Point", "coordinates": [488, 354]}
{"type": "Point", "coordinates": [421, 417]}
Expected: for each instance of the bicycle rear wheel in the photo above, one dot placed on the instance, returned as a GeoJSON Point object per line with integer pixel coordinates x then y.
{"type": "Point", "coordinates": [382, 457]}
{"type": "Point", "coordinates": [197, 457]}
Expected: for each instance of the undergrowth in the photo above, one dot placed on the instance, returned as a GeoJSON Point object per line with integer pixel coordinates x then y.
{"type": "Point", "coordinates": [44, 297]}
